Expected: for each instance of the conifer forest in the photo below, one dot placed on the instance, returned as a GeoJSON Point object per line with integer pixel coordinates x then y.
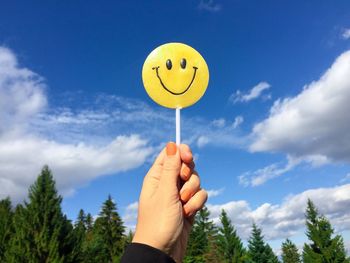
{"type": "Point", "coordinates": [38, 231]}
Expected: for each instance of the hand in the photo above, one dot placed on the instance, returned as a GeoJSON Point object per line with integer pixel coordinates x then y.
{"type": "Point", "coordinates": [170, 197]}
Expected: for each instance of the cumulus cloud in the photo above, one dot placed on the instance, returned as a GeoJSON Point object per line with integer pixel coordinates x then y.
{"type": "Point", "coordinates": [73, 165]}
{"type": "Point", "coordinates": [314, 124]}
{"type": "Point", "coordinates": [253, 94]}
{"type": "Point", "coordinates": [22, 92]}
{"type": "Point", "coordinates": [215, 192]}
{"type": "Point", "coordinates": [346, 33]}
{"type": "Point", "coordinates": [27, 138]}
{"type": "Point", "coordinates": [280, 221]}
{"type": "Point", "coordinates": [209, 5]}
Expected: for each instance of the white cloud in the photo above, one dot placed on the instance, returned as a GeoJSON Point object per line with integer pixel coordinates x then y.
{"type": "Point", "coordinates": [215, 192]}
{"type": "Point", "coordinates": [314, 124]}
{"type": "Point", "coordinates": [237, 122]}
{"type": "Point", "coordinates": [27, 140]}
{"type": "Point", "coordinates": [130, 214]}
{"type": "Point", "coordinates": [346, 33]}
{"type": "Point", "coordinates": [73, 165]}
{"type": "Point", "coordinates": [202, 141]}
{"type": "Point", "coordinates": [220, 123]}
{"type": "Point", "coordinates": [269, 172]}
{"type": "Point", "coordinates": [280, 221]}
{"type": "Point", "coordinates": [209, 5]}
{"type": "Point", "coordinates": [21, 93]}
{"type": "Point", "coordinates": [253, 94]}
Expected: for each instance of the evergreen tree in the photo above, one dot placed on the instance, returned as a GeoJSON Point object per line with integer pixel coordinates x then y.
{"type": "Point", "coordinates": [16, 251]}
{"type": "Point", "coordinates": [323, 247]}
{"type": "Point", "coordinates": [201, 239]}
{"type": "Point", "coordinates": [290, 252]}
{"type": "Point", "coordinates": [79, 234]}
{"type": "Point", "coordinates": [229, 243]}
{"type": "Point", "coordinates": [42, 232]}
{"type": "Point", "coordinates": [109, 233]}
{"type": "Point", "coordinates": [89, 222]}
{"type": "Point", "coordinates": [269, 255]}
{"type": "Point", "coordinates": [6, 226]}
{"type": "Point", "coordinates": [259, 252]}
{"type": "Point", "coordinates": [93, 244]}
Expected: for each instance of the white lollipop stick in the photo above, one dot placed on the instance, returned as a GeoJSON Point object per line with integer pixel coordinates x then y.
{"type": "Point", "coordinates": [178, 126]}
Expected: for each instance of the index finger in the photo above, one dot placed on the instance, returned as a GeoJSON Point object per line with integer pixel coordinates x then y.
{"type": "Point", "coordinates": [186, 153]}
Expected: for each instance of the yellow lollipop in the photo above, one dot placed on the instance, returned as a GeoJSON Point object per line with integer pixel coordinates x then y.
{"type": "Point", "coordinates": [175, 76]}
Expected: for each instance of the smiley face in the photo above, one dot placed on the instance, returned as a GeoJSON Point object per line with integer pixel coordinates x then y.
{"type": "Point", "coordinates": [175, 75]}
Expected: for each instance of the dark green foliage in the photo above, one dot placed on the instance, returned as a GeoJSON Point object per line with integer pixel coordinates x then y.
{"type": "Point", "coordinates": [6, 227]}
{"type": "Point", "coordinates": [108, 233]}
{"type": "Point", "coordinates": [89, 222]}
{"type": "Point", "coordinates": [229, 243]}
{"type": "Point", "coordinates": [259, 252]}
{"type": "Point", "coordinates": [79, 236]}
{"type": "Point", "coordinates": [16, 251]}
{"type": "Point", "coordinates": [290, 252]}
{"type": "Point", "coordinates": [201, 244]}
{"type": "Point", "coordinates": [42, 232]}
{"type": "Point", "coordinates": [323, 247]}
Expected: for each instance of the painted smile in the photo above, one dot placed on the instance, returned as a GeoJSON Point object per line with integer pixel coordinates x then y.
{"type": "Point", "coordinates": [172, 92]}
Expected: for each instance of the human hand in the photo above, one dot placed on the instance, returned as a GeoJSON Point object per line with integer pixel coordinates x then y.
{"type": "Point", "coordinates": [170, 197]}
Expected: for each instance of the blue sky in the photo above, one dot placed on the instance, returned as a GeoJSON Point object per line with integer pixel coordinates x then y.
{"type": "Point", "coordinates": [270, 131]}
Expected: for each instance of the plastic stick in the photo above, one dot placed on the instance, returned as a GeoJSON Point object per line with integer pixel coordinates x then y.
{"type": "Point", "coordinates": [178, 125]}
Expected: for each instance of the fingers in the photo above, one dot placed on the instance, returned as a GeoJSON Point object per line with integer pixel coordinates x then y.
{"type": "Point", "coordinates": [171, 166]}
{"type": "Point", "coordinates": [186, 153]}
{"type": "Point", "coordinates": [190, 188]}
{"type": "Point", "coordinates": [195, 203]}
{"type": "Point", "coordinates": [186, 170]}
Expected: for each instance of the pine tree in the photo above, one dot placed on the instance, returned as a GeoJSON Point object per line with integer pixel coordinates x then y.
{"type": "Point", "coordinates": [93, 244]}
{"type": "Point", "coordinates": [6, 226]}
{"type": "Point", "coordinates": [16, 251]}
{"type": "Point", "coordinates": [42, 232]}
{"type": "Point", "coordinates": [323, 247]}
{"type": "Point", "coordinates": [109, 233]}
{"type": "Point", "coordinates": [79, 235]}
{"type": "Point", "coordinates": [259, 252]}
{"type": "Point", "coordinates": [229, 243]}
{"type": "Point", "coordinates": [89, 222]}
{"type": "Point", "coordinates": [290, 252]}
{"type": "Point", "coordinates": [269, 255]}
{"type": "Point", "coordinates": [200, 240]}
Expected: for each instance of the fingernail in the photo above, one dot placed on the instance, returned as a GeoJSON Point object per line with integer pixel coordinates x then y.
{"type": "Point", "coordinates": [187, 212]}
{"type": "Point", "coordinates": [186, 172]}
{"type": "Point", "coordinates": [185, 195]}
{"type": "Point", "coordinates": [171, 149]}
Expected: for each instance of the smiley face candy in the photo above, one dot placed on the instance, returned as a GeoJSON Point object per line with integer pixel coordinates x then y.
{"type": "Point", "coordinates": [175, 75]}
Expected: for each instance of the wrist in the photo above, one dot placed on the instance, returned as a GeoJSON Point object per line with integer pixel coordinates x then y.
{"type": "Point", "coordinates": [146, 239]}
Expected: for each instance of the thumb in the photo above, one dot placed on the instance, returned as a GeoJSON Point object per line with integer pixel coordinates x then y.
{"type": "Point", "coordinates": [171, 166]}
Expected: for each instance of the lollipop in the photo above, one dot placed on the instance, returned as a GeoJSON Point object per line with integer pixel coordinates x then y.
{"type": "Point", "coordinates": [175, 76]}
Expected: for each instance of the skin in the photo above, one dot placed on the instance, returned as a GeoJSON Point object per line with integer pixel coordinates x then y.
{"type": "Point", "coordinates": [169, 199]}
